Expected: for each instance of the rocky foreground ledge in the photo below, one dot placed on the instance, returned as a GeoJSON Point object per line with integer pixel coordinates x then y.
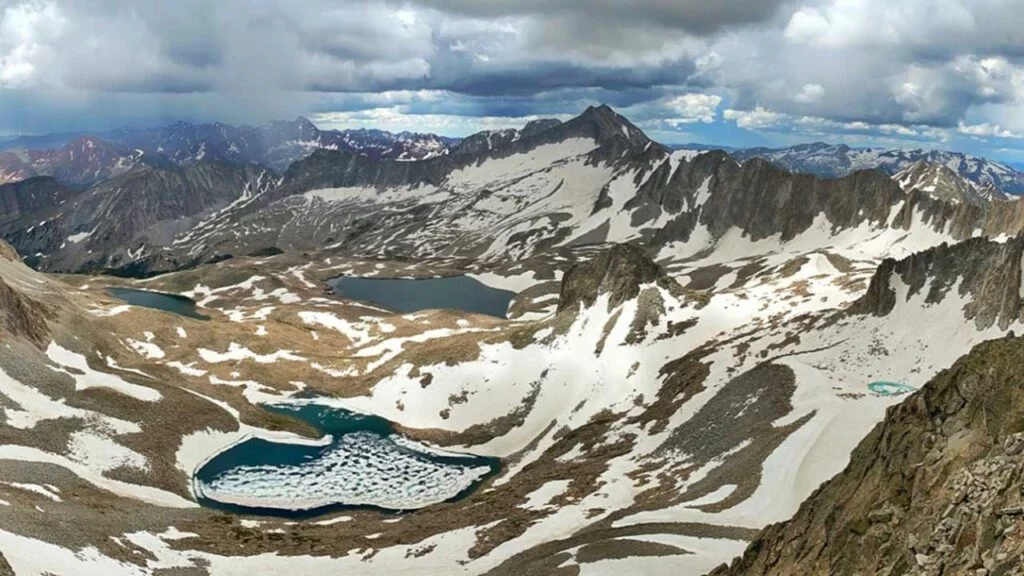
{"type": "Point", "coordinates": [936, 488]}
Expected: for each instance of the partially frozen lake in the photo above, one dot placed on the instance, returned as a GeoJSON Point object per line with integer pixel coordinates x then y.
{"type": "Point", "coordinates": [365, 464]}
{"type": "Point", "coordinates": [404, 295]}
{"type": "Point", "coordinates": [890, 388]}
{"type": "Point", "coordinates": [173, 303]}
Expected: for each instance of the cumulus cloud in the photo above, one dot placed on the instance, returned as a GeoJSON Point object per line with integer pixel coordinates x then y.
{"type": "Point", "coordinates": [755, 119]}
{"type": "Point", "coordinates": [691, 108]}
{"type": "Point", "coordinates": [810, 93]}
{"type": "Point", "coordinates": [987, 130]}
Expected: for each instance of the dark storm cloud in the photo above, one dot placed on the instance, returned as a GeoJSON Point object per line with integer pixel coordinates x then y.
{"type": "Point", "coordinates": [531, 77]}
{"type": "Point", "coordinates": [700, 17]}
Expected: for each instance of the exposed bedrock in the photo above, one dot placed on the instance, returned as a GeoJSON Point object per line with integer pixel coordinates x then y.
{"type": "Point", "coordinates": [619, 271]}
{"type": "Point", "coordinates": [986, 273]}
{"type": "Point", "coordinates": [934, 489]}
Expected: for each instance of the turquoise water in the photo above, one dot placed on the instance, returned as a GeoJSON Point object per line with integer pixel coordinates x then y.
{"type": "Point", "coordinates": [890, 388]}
{"type": "Point", "coordinates": [403, 295]}
{"type": "Point", "coordinates": [365, 466]}
{"type": "Point", "coordinates": [173, 303]}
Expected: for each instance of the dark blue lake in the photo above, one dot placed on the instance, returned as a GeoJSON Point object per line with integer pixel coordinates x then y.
{"type": "Point", "coordinates": [173, 303]}
{"type": "Point", "coordinates": [404, 295]}
{"type": "Point", "coordinates": [366, 465]}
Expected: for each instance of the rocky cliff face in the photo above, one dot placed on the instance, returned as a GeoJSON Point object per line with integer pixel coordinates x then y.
{"type": "Point", "coordinates": [934, 489]}
{"type": "Point", "coordinates": [30, 196]}
{"type": "Point", "coordinates": [619, 271]}
{"type": "Point", "coordinates": [763, 200]}
{"type": "Point", "coordinates": [986, 273]}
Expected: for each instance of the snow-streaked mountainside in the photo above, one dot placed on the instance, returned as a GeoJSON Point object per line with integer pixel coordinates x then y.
{"type": "Point", "coordinates": [80, 160]}
{"type": "Point", "coordinates": [509, 195]}
{"type": "Point", "coordinates": [80, 163]}
{"type": "Point", "coordinates": [833, 161]}
{"type": "Point", "coordinates": [278, 145]}
{"type": "Point", "coordinates": [944, 184]}
{"type": "Point", "coordinates": [695, 345]}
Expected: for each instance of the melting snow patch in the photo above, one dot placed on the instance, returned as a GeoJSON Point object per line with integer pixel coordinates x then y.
{"type": "Point", "coordinates": [108, 312]}
{"type": "Point", "coordinates": [48, 493]}
{"type": "Point", "coordinates": [76, 238]}
{"type": "Point", "coordinates": [541, 498]}
{"type": "Point", "coordinates": [187, 369]}
{"type": "Point", "coordinates": [85, 377]}
{"type": "Point", "coordinates": [238, 353]}
{"type": "Point", "coordinates": [103, 454]}
{"type": "Point", "coordinates": [147, 350]}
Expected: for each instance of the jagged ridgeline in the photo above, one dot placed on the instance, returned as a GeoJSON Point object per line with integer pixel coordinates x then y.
{"type": "Point", "coordinates": [988, 273]}
{"type": "Point", "coordinates": [513, 193]}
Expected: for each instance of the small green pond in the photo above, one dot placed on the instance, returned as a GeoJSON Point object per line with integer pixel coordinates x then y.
{"type": "Point", "coordinates": [890, 388]}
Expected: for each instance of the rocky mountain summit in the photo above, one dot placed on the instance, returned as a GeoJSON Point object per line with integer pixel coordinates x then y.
{"type": "Point", "coordinates": [943, 184]}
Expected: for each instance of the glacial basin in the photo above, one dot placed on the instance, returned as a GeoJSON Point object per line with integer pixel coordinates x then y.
{"type": "Point", "coordinates": [362, 464]}
{"type": "Point", "coordinates": [173, 303]}
{"type": "Point", "coordinates": [407, 295]}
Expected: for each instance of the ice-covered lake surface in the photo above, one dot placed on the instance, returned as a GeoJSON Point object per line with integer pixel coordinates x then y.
{"type": "Point", "coordinates": [890, 388]}
{"type": "Point", "coordinates": [406, 295]}
{"type": "Point", "coordinates": [365, 464]}
{"type": "Point", "coordinates": [159, 301]}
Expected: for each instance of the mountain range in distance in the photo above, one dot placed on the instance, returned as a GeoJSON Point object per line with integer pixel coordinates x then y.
{"type": "Point", "coordinates": [80, 159]}
{"type": "Point", "coordinates": [100, 208]}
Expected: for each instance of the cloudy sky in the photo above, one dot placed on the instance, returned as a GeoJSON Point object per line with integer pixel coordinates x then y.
{"type": "Point", "coordinates": [908, 73]}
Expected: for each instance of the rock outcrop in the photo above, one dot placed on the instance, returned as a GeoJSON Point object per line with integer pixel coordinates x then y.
{"type": "Point", "coordinates": [619, 271]}
{"type": "Point", "coordinates": [31, 196]}
{"type": "Point", "coordinates": [763, 200]}
{"type": "Point", "coordinates": [936, 488]}
{"type": "Point", "coordinates": [5, 568]}
{"type": "Point", "coordinates": [987, 273]}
